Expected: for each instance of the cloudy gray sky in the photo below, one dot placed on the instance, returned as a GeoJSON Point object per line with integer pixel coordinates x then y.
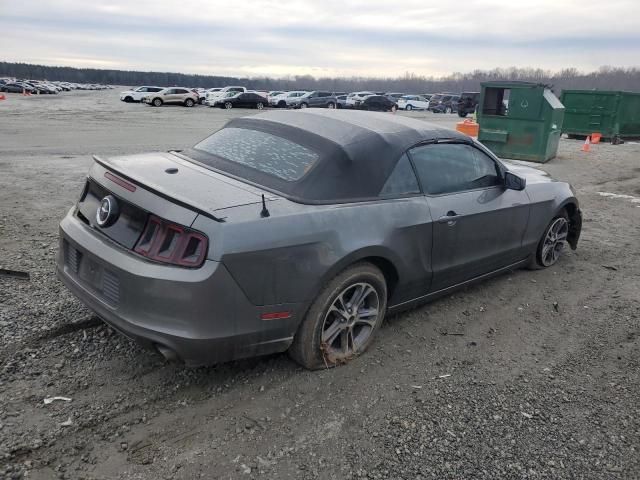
{"type": "Point", "coordinates": [321, 37]}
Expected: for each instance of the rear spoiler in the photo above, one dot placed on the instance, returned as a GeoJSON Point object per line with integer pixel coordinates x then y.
{"type": "Point", "coordinates": [109, 166]}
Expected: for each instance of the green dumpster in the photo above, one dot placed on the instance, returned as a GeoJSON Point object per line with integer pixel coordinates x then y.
{"type": "Point", "coordinates": [614, 115]}
{"type": "Point", "coordinates": [520, 120]}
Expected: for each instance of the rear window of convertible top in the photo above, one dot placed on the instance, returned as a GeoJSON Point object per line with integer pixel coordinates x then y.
{"type": "Point", "coordinates": [262, 151]}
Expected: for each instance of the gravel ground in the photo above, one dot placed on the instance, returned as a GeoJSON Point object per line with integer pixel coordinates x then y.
{"type": "Point", "coordinates": [530, 375]}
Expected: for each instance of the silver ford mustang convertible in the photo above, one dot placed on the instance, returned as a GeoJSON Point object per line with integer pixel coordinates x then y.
{"type": "Point", "coordinates": [300, 231]}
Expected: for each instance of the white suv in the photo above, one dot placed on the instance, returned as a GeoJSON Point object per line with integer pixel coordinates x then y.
{"type": "Point", "coordinates": [413, 102]}
{"type": "Point", "coordinates": [136, 94]}
{"type": "Point", "coordinates": [354, 97]}
{"type": "Point", "coordinates": [284, 99]}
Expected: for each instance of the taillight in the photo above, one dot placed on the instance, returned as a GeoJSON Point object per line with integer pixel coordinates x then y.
{"type": "Point", "coordinates": [170, 243]}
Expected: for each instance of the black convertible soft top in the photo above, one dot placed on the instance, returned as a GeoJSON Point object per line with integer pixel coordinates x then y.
{"type": "Point", "coordinates": [357, 151]}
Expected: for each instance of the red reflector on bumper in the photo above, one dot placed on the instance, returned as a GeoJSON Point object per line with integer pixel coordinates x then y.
{"type": "Point", "coordinates": [275, 316]}
{"type": "Point", "coordinates": [123, 183]}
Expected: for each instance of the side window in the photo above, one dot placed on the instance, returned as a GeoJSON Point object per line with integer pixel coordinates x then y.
{"type": "Point", "coordinates": [155, 89]}
{"type": "Point", "coordinates": [170, 91]}
{"type": "Point", "coordinates": [450, 167]}
{"type": "Point", "coordinates": [143, 89]}
{"type": "Point", "coordinates": [402, 180]}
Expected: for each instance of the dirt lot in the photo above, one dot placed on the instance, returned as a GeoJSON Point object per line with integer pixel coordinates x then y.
{"type": "Point", "coordinates": [530, 375]}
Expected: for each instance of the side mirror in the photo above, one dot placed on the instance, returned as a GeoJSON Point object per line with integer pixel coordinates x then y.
{"type": "Point", "coordinates": [514, 182]}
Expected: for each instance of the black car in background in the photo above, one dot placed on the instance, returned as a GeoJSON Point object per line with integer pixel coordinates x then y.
{"type": "Point", "coordinates": [376, 103]}
{"type": "Point", "coordinates": [467, 103]}
{"type": "Point", "coordinates": [241, 100]}
{"type": "Point", "coordinates": [444, 103]}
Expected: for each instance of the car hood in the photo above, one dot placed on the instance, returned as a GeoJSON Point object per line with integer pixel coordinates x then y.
{"type": "Point", "coordinates": [531, 174]}
{"type": "Point", "coordinates": [193, 185]}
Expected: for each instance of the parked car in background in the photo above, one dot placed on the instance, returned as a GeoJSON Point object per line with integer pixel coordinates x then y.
{"type": "Point", "coordinates": [15, 87]}
{"type": "Point", "coordinates": [444, 103]}
{"type": "Point", "coordinates": [376, 103]}
{"type": "Point", "coordinates": [202, 96]}
{"type": "Point", "coordinates": [240, 100]}
{"type": "Point", "coordinates": [413, 102]}
{"type": "Point", "coordinates": [290, 97]}
{"type": "Point", "coordinates": [315, 99]}
{"type": "Point", "coordinates": [172, 96]}
{"type": "Point", "coordinates": [280, 232]}
{"type": "Point", "coordinates": [212, 97]}
{"type": "Point", "coordinates": [353, 97]}
{"type": "Point", "coordinates": [341, 101]}
{"type": "Point", "coordinates": [467, 103]}
{"type": "Point", "coordinates": [272, 95]}
{"type": "Point", "coordinates": [136, 94]}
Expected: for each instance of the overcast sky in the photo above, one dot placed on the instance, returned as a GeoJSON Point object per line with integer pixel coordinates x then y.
{"type": "Point", "coordinates": [321, 37]}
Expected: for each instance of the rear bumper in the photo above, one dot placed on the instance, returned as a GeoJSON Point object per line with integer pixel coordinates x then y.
{"type": "Point", "coordinates": [199, 314]}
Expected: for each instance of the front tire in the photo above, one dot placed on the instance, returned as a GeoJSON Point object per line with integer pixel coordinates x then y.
{"type": "Point", "coordinates": [228, 105]}
{"type": "Point", "coordinates": [259, 105]}
{"type": "Point", "coordinates": [331, 105]}
{"type": "Point", "coordinates": [303, 105]}
{"type": "Point", "coordinates": [448, 110]}
{"type": "Point", "coordinates": [157, 102]}
{"type": "Point", "coordinates": [552, 243]}
{"type": "Point", "coordinates": [189, 102]}
{"type": "Point", "coordinates": [128, 100]}
{"type": "Point", "coordinates": [408, 108]}
{"type": "Point", "coordinates": [343, 319]}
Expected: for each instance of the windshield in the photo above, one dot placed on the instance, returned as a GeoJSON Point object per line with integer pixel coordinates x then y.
{"type": "Point", "coordinates": [261, 151]}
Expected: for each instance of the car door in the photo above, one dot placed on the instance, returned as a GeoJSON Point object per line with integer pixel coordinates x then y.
{"type": "Point", "coordinates": [422, 102]}
{"type": "Point", "coordinates": [242, 101]}
{"type": "Point", "coordinates": [478, 223]}
{"type": "Point", "coordinates": [169, 95]}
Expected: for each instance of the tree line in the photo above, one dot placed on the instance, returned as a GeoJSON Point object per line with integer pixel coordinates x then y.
{"type": "Point", "coordinates": [605, 78]}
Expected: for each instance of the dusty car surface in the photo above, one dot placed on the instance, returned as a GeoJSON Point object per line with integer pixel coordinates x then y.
{"type": "Point", "coordinates": [299, 231]}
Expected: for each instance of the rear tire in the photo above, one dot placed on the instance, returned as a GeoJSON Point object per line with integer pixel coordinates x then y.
{"type": "Point", "coordinates": [228, 105]}
{"type": "Point", "coordinates": [331, 105]}
{"type": "Point", "coordinates": [282, 104]}
{"type": "Point", "coordinates": [462, 114]}
{"type": "Point", "coordinates": [343, 319]}
{"type": "Point", "coordinates": [408, 108]}
{"type": "Point", "coordinates": [157, 102]}
{"type": "Point", "coordinates": [552, 242]}
{"type": "Point", "coordinates": [259, 105]}
{"type": "Point", "coordinates": [303, 105]}
{"type": "Point", "coordinates": [128, 100]}
{"type": "Point", "coordinates": [189, 102]}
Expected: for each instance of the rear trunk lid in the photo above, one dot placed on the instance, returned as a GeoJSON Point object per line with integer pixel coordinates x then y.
{"type": "Point", "coordinates": [183, 181]}
{"type": "Point", "coordinates": [158, 184]}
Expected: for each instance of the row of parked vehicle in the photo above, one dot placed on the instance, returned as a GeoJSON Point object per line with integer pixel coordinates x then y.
{"type": "Point", "coordinates": [14, 85]}
{"type": "Point", "coordinates": [240, 97]}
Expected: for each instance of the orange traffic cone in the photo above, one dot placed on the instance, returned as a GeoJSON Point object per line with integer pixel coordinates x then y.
{"type": "Point", "coordinates": [587, 145]}
{"type": "Point", "coordinates": [2, 97]}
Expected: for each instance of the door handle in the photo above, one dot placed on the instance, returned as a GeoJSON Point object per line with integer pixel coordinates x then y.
{"type": "Point", "coordinates": [449, 218]}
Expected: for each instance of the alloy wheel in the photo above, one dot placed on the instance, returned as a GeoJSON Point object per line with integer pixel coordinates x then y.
{"type": "Point", "coordinates": [554, 241]}
{"type": "Point", "coordinates": [350, 321]}
{"type": "Point", "coordinates": [228, 105]}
